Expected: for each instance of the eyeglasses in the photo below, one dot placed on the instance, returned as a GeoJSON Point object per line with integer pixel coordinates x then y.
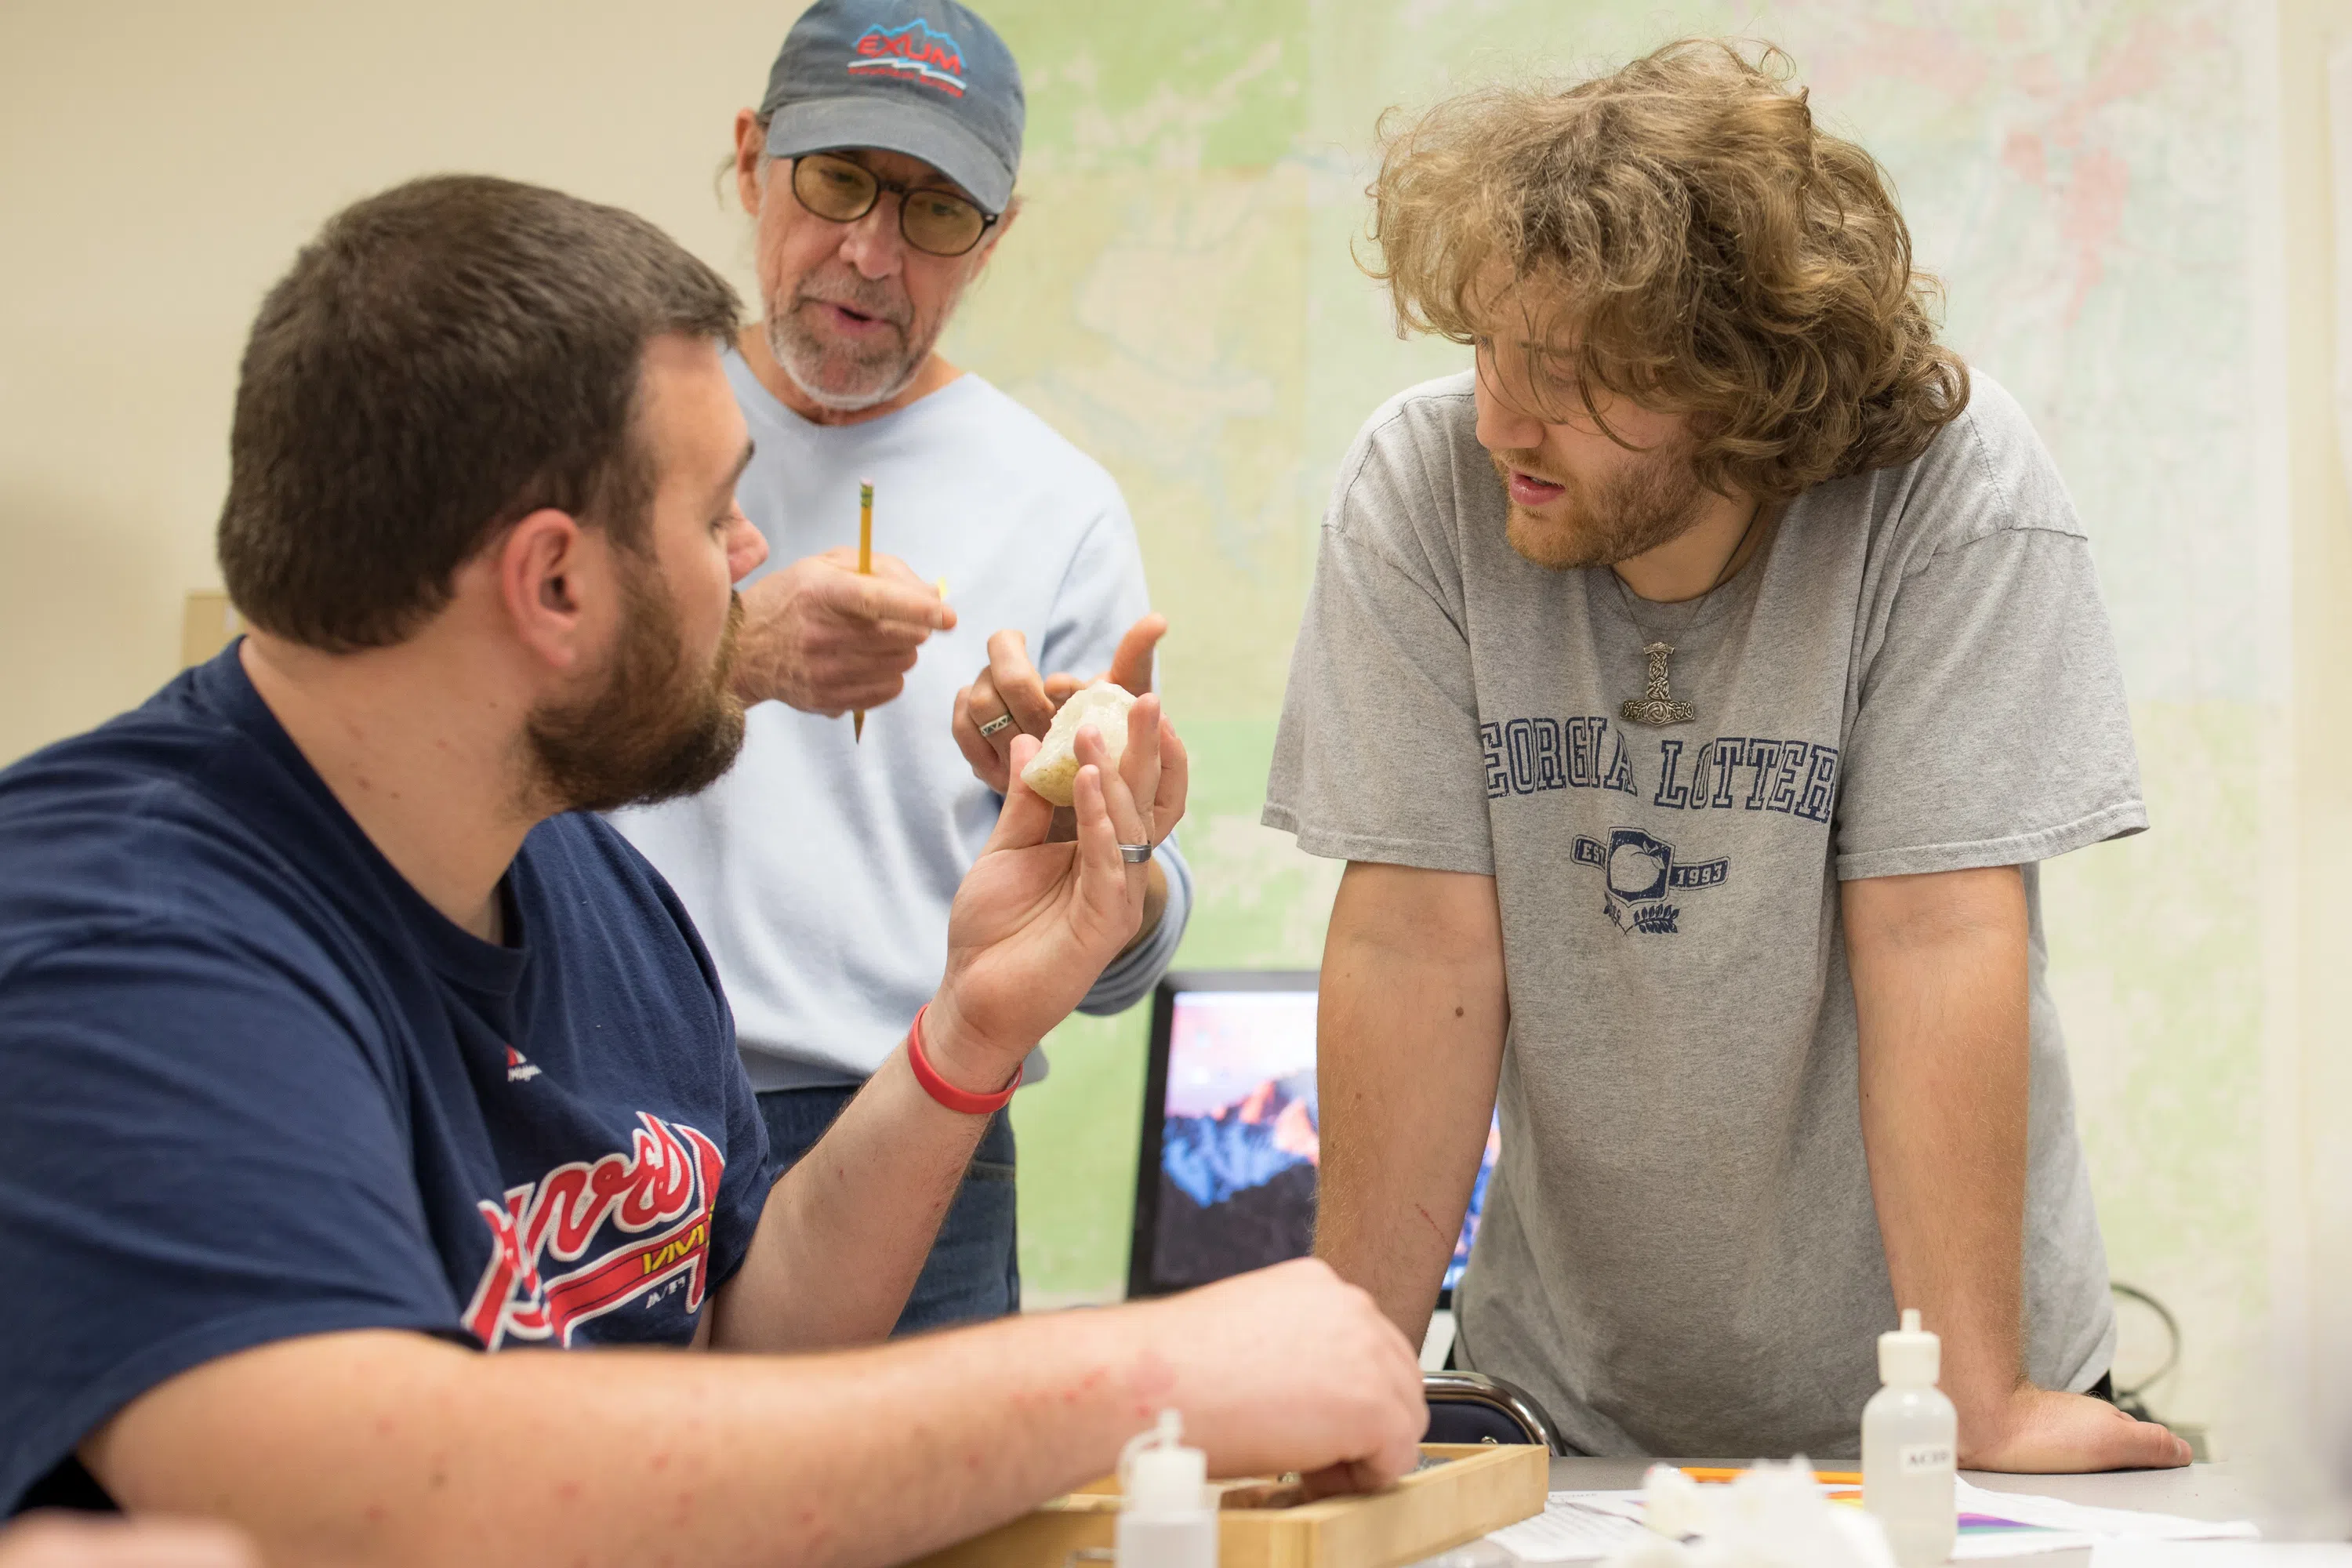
{"type": "Point", "coordinates": [934, 221]}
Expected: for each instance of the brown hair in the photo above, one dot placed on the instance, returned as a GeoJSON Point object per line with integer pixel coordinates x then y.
{"type": "Point", "coordinates": [1684, 234]}
{"type": "Point", "coordinates": [443, 359]}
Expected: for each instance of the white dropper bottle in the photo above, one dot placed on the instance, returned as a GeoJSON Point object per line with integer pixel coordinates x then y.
{"type": "Point", "coordinates": [1168, 1520]}
{"type": "Point", "coordinates": [1910, 1434]}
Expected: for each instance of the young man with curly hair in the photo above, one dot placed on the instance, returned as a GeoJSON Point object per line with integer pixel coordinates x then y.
{"type": "Point", "coordinates": [1693, 688]}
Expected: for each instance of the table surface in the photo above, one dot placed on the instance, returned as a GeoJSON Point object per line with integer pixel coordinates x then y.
{"type": "Point", "coordinates": [2201, 1492]}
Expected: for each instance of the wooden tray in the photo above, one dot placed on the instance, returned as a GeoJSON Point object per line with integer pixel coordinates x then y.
{"type": "Point", "coordinates": [1478, 1487]}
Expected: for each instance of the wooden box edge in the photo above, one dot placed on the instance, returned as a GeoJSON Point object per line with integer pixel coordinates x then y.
{"type": "Point", "coordinates": [1487, 1487]}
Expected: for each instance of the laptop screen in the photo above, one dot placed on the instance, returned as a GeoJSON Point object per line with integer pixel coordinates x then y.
{"type": "Point", "coordinates": [1231, 1141]}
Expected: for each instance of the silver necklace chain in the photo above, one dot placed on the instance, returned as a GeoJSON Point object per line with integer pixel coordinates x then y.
{"type": "Point", "coordinates": [1656, 706]}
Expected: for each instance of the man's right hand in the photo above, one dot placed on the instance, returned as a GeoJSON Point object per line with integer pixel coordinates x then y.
{"type": "Point", "coordinates": [1291, 1368]}
{"type": "Point", "coordinates": [819, 637]}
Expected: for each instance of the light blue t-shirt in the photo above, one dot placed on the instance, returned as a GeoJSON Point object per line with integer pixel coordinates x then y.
{"type": "Point", "coordinates": [819, 872]}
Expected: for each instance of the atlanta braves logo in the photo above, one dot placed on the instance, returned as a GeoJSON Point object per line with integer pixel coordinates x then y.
{"type": "Point", "coordinates": [917, 50]}
{"type": "Point", "coordinates": [668, 1184]}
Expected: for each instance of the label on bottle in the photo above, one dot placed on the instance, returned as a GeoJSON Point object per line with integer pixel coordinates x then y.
{"type": "Point", "coordinates": [1919, 1458]}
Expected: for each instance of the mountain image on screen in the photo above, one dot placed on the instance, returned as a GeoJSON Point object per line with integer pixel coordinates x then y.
{"type": "Point", "coordinates": [1237, 1185]}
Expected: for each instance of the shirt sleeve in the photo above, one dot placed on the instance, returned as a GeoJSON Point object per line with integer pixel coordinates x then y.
{"type": "Point", "coordinates": [751, 1167]}
{"type": "Point", "coordinates": [1990, 727]}
{"type": "Point", "coordinates": [1378, 756]}
{"type": "Point", "coordinates": [1102, 593]}
{"type": "Point", "coordinates": [201, 1157]}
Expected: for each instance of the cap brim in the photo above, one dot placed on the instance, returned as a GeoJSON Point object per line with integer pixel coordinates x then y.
{"type": "Point", "coordinates": [826, 124]}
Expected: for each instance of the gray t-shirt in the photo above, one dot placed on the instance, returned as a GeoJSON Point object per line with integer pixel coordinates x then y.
{"type": "Point", "coordinates": [1679, 1254]}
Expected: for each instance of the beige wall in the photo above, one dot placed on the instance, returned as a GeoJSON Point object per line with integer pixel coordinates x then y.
{"type": "Point", "coordinates": [159, 164]}
{"type": "Point", "coordinates": [2315, 1090]}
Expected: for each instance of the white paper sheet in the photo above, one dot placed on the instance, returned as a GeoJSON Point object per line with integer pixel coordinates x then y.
{"type": "Point", "coordinates": [2026, 1543]}
{"type": "Point", "coordinates": [2219, 1555]}
{"type": "Point", "coordinates": [1624, 1504]}
{"type": "Point", "coordinates": [1586, 1526]}
{"type": "Point", "coordinates": [2129, 1524]}
{"type": "Point", "coordinates": [1570, 1531]}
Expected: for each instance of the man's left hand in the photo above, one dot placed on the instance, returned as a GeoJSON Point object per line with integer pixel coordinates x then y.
{"type": "Point", "coordinates": [1011, 687]}
{"type": "Point", "coordinates": [2041, 1432]}
{"type": "Point", "coordinates": [1037, 919]}
{"type": "Point", "coordinates": [1940, 963]}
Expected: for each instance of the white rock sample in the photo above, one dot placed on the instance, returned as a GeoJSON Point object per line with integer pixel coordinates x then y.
{"type": "Point", "coordinates": [1054, 771]}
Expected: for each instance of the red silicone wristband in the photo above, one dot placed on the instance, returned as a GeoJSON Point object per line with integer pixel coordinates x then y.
{"type": "Point", "coordinates": [944, 1091]}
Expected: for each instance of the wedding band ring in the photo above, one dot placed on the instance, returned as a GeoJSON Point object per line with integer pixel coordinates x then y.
{"type": "Point", "coordinates": [993, 725]}
{"type": "Point", "coordinates": [1135, 853]}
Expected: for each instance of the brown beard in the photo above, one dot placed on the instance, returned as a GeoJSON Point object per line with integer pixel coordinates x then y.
{"type": "Point", "coordinates": [1635, 510]}
{"type": "Point", "coordinates": [653, 731]}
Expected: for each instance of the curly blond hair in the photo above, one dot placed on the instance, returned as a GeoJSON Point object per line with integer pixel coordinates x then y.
{"type": "Point", "coordinates": [1681, 233]}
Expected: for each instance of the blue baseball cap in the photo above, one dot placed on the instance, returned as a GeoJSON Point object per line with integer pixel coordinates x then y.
{"type": "Point", "coordinates": [926, 78]}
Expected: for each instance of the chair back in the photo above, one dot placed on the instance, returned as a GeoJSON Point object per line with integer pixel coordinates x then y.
{"type": "Point", "coordinates": [1470, 1407]}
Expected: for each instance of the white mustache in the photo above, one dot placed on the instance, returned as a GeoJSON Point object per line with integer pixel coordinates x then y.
{"type": "Point", "coordinates": [896, 315]}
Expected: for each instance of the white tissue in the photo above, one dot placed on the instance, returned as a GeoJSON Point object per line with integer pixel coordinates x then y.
{"type": "Point", "coordinates": [1671, 1503]}
{"type": "Point", "coordinates": [1775, 1516]}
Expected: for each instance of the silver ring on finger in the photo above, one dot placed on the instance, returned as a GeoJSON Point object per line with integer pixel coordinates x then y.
{"type": "Point", "coordinates": [1135, 853]}
{"type": "Point", "coordinates": [993, 725]}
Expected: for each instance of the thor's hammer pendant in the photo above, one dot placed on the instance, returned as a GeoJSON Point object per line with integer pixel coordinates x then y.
{"type": "Point", "coordinates": [1657, 705]}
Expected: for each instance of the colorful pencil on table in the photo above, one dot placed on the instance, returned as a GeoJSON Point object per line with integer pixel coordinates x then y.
{"type": "Point", "coordinates": [864, 569]}
{"type": "Point", "coordinates": [1706, 1474]}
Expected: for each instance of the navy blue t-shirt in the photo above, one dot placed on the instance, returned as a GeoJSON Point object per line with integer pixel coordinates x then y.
{"type": "Point", "coordinates": [252, 1086]}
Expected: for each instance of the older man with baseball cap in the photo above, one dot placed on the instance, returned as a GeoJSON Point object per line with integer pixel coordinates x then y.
{"type": "Point", "coordinates": [880, 173]}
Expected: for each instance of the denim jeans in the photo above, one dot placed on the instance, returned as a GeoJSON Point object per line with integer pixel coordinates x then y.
{"type": "Point", "coordinates": [974, 1270]}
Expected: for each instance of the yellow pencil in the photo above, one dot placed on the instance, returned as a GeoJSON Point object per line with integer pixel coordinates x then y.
{"type": "Point", "coordinates": [864, 569]}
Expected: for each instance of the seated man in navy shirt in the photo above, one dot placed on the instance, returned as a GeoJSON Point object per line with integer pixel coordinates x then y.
{"type": "Point", "coordinates": [339, 1043]}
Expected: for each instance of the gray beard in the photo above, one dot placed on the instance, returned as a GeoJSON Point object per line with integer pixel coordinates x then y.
{"type": "Point", "coordinates": [791, 351]}
{"type": "Point", "coordinates": [801, 358]}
